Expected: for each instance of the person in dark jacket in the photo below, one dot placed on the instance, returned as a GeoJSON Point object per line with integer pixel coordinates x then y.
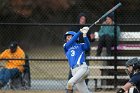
{"type": "Point", "coordinates": [82, 20]}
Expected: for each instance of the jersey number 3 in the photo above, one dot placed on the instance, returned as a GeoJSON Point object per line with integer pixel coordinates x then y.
{"type": "Point", "coordinates": [72, 53]}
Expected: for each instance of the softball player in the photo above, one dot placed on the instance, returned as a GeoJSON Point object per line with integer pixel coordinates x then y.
{"type": "Point", "coordinates": [133, 69]}
{"type": "Point", "coordinates": [75, 54]}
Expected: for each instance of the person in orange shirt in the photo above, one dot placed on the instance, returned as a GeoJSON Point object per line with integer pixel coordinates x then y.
{"type": "Point", "coordinates": [12, 67]}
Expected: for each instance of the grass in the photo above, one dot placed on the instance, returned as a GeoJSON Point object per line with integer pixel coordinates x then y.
{"type": "Point", "coordinates": [53, 70]}
{"type": "Point", "coordinates": [49, 70]}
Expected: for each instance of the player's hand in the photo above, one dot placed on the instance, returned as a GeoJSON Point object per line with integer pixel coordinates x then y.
{"type": "Point", "coordinates": [84, 30]}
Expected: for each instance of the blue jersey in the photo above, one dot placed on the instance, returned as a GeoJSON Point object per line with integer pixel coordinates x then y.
{"type": "Point", "coordinates": [135, 80]}
{"type": "Point", "coordinates": [75, 52]}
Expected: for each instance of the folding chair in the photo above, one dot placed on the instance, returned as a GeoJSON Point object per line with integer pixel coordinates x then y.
{"type": "Point", "coordinates": [21, 81]}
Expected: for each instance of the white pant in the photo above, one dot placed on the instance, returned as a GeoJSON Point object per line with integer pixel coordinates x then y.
{"type": "Point", "coordinates": [78, 79]}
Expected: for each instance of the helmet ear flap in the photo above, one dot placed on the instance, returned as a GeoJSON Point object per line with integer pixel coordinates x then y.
{"type": "Point", "coordinates": [135, 66]}
{"type": "Point", "coordinates": [69, 33]}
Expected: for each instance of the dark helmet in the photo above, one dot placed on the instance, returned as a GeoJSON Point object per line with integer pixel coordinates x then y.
{"type": "Point", "coordinates": [69, 33]}
{"type": "Point", "coordinates": [135, 62]}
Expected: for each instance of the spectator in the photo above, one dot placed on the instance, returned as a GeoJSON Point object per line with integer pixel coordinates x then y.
{"type": "Point", "coordinates": [12, 67]}
{"type": "Point", "coordinates": [133, 70]}
{"type": "Point", "coordinates": [82, 20]}
{"type": "Point", "coordinates": [106, 36]}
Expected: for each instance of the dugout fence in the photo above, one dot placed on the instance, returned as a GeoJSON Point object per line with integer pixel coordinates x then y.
{"type": "Point", "coordinates": [39, 29]}
{"type": "Point", "coordinates": [49, 68]}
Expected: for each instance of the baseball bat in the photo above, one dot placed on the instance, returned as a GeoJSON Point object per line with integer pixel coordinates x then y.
{"type": "Point", "coordinates": [107, 13]}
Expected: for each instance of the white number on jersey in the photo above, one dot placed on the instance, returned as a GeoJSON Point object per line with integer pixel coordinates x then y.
{"type": "Point", "coordinates": [72, 53]}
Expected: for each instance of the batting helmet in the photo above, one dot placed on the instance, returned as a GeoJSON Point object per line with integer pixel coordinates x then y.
{"type": "Point", "coordinates": [69, 33]}
{"type": "Point", "coordinates": [135, 62]}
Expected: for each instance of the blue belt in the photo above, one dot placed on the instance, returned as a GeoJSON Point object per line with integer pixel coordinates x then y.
{"type": "Point", "coordinates": [77, 65]}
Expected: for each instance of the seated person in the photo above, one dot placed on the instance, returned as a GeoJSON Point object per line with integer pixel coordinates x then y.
{"type": "Point", "coordinates": [12, 67]}
{"type": "Point", "coordinates": [22, 81]}
{"type": "Point", "coordinates": [106, 36]}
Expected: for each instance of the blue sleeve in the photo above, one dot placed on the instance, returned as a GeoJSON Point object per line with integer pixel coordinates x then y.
{"type": "Point", "coordinates": [134, 80]}
{"type": "Point", "coordinates": [73, 40]}
{"type": "Point", "coordinates": [86, 45]}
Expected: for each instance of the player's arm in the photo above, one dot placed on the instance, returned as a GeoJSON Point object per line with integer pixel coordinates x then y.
{"type": "Point", "coordinates": [86, 44]}
{"type": "Point", "coordinates": [132, 82]}
{"type": "Point", "coordinates": [125, 88]}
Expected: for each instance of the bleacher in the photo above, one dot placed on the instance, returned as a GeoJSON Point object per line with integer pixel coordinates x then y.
{"type": "Point", "coordinates": [129, 41]}
{"type": "Point", "coordinates": [130, 37]}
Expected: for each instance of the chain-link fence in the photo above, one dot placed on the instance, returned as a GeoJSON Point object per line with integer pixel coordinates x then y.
{"type": "Point", "coordinates": [38, 26]}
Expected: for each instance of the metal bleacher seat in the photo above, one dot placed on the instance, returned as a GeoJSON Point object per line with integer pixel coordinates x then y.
{"type": "Point", "coordinates": [128, 48]}
{"type": "Point", "coordinates": [125, 37]}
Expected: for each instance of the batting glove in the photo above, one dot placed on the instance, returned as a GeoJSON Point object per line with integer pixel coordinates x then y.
{"type": "Point", "coordinates": [84, 30]}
